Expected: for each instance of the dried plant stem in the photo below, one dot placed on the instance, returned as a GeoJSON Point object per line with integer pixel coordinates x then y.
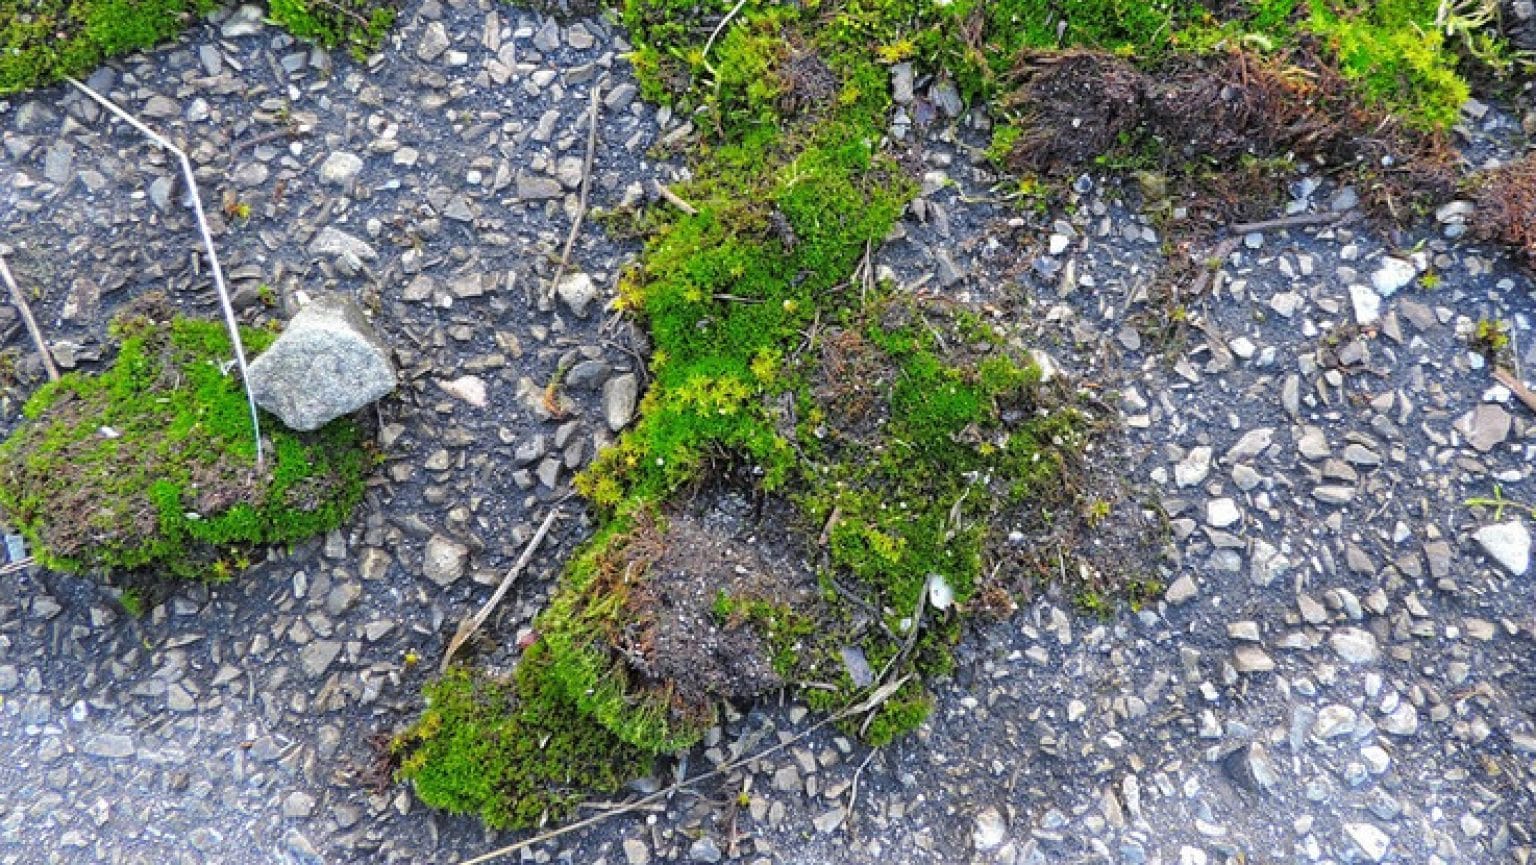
{"type": "Point", "coordinates": [586, 185]}
{"type": "Point", "coordinates": [470, 625]}
{"type": "Point", "coordinates": [1300, 220]}
{"type": "Point", "coordinates": [213, 255]}
{"type": "Point", "coordinates": [20, 301]}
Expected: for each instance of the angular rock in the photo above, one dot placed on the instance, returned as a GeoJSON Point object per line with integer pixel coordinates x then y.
{"type": "Point", "coordinates": [1371, 842]}
{"type": "Point", "coordinates": [1485, 427]}
{"type": "Point", "coordinates": [113, 746]}
{"type": "Point", "coordinates": [990, 829]}
{"type": "Point", "coordinates": [619, 395]}
{"type": "Point", "coordinates": [327, 363]}
{"type": "Point", "coordinates": [340, 168]}
{"type": "Point", "coordinates": [335, 242]}
{"type": "Point", "coordinates": [444, 560]}
{"type": "Point", "coordinates": [1508, 543]}
{"type": "Point", "coordinates": [577, 291]}
{"type": "Point", "coordinates": [1393, 274]}
{"type": "Point", "coordinates": [1355, 645]}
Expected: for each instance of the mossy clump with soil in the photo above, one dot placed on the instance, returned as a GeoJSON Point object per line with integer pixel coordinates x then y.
{"type": "Point", "coordinates": [43, 41]}
{"type": "Point", "coordinates": [924, 459]}
{"type": "Point", "coordinates": [151, 464]}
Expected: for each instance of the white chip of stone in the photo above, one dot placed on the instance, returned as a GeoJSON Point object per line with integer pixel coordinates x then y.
{"type": "Point", "coordinates": [1355, 645]}
{"type": "Point", "coordinates": [990, 829]}
{"type": "Point", "coordinates": [1393, 274]}
{"type": "Point", "coordinates": [1366, 303]}
{"type": "Point", "coordinates": [1183, 589]}
{"type": "Point", "coordinates": [1222, 512]}
{"type": "Point", "coordinates": [1371, 841]}
{"type": "Point", "coordinates": [1508, 543]}
{"type": "Point", "coordinates": [469, 388]}
{"type": "Point", "coordinates": [1194, 468]}
{"type": "Point", "coordinates": [1243, 347]}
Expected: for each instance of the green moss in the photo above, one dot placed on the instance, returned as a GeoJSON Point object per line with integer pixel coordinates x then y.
{"type": "Point", "coordinates": [514, 754]}
{"type": "Point", "coordinates": [357, 25]}
{"type": "Point", "coordinates": [44, 40]}
{"type": "Point", "coordinates": [151, 464]}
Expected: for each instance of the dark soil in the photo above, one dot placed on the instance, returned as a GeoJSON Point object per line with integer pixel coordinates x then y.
{"type": "Point", "coordinates": [712, 547]}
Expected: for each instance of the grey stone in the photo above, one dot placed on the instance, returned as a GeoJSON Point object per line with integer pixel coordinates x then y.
{"type": "Point", "coordinates": [59, 163]}
{"type": "Point", "coordinates": [434, 41]}
{"type": "Point", "coordinates": [337, 243]}
{"type": "Point", "coordinates": [1369, 840]}
{"type": "Point", "coordinates": [248, 20]}
{"type": "Point", "coordinates": [704, 850]}
{"type": "Point", "coordinates": [327, 363]}
{"type": "Point", "coordinates": [1355, 645]}
{"type": "Point", "coordinates": [901, 83]}
{"type": "Point", "coordinates": [318, 656]}
{"type": "Point", "coordinates": [1194, 468]}
{"type": "Point", "coordinates": [1485, 427]}
{"type": "Point", "coordinates": [444, 560]}
{"type": "Point", "coordinates": [1508, 543]}
{"type": "Point", "coordinates": [534, 187]}
{"type": "Point", "coordinates": [619, 396]}
{"type": "Point", "coordinates": [298, 804]}
{"type": "Point", "coordinates": [1183, 589]}
{"type": "Point", "coordinates": [1366, 303]}
{"type": "Point", "coordinates": [160, 192]}
{"type": "Point", "coordinates": [1392, 275]}
{"type": "Point", "coordinates": [577, 291]}
{"type": "Point", "coordinates": [113, 746]}
{"type": "Point", "coordinates": [636, 852]}
{"type": "Point", "coordinates": [989, 830]}
{"type": "Point", "coordinates": [341, 168]}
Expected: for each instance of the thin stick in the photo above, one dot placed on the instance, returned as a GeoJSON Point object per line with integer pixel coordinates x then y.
{"type": "Point", "coordinates": [721, 26]}
{"type": "Point", "coordinates": [878, 697]}
{"type": "Point", "coordinates": [19, 300]}
{"type": "Point", "coordinates": [469, 626]}
{"type": "Point", "coordinates": [673, 199]}
{"type": "Point", "coordinates": [1516, 387]}
{"type": "Point", "coordinates": [1298, 221]}
{"type": "Point", "coordinates": [586, 184]}
{"type": "Point", "coordinates": [853, 795]}
{"type": "Point", "coordinates": [213, 255]}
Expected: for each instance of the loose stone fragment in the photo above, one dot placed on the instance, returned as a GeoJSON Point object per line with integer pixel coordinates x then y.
{"type": "Point", "coordinates": [328, 362]}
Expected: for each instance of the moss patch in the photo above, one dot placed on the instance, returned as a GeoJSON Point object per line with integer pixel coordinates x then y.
{"type": "Point", "coordinates": [151, 464]}
{"type": "Point", "coordinates": [43, 41]}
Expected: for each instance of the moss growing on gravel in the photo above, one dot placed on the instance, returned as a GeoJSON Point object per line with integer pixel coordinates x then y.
{"type": "Point", "coordinates": [512, 753]}
{"type": "Point", "coordinates": [151, 464]}
{"type": "Point", "coordinates": [357, 25]}
{"type": "Point", "coordinates": [918, 443]}
{"type": "Point", "coordinates": [43, 41]}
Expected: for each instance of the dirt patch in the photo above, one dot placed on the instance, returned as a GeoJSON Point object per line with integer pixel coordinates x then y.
{"type": "Point", "coordinates": [853, 385]}
{"type": "Point", "coordinates": [705, 565]}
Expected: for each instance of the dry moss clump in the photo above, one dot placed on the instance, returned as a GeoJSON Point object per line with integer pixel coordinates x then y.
{"type": "Point", "coordinates": [1506, 205]}
{"type": "Point", "coordinates": [151, 464]}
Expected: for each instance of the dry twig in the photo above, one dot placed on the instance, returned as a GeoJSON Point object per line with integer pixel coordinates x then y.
{"type": "Point", "coordinates": [1516, 387]}
{"type": "Point", "coordinates": [469, 626]}
{"type": "Point", "coordinates": [1298, 221]}
{"type": "Point", "coordinates": [20, 301]}
{"type": "Point", "coordinates": [672, 198]}
{"type": "Point", "coordinates": [586, 185]}
{"type": "Point", "coordinates": [213, 255]}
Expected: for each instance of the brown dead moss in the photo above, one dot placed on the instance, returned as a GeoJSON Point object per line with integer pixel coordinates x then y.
{"type": "Point", "coordinates": [1506, 206]}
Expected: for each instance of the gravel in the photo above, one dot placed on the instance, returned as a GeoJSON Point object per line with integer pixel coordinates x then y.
{"type": "Point", "coordinates": [1338, 669]}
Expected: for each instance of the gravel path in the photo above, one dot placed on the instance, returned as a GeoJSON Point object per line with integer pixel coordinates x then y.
{"type": "Point", "coordinates": [1340, 669]}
